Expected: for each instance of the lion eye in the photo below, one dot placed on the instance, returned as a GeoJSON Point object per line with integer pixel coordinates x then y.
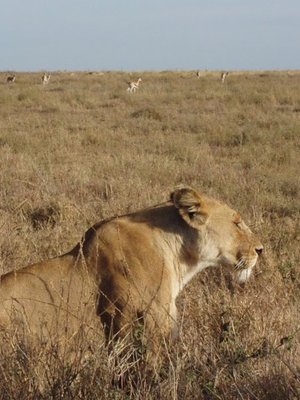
{"type": "Point", "coordinates": [238, 224]}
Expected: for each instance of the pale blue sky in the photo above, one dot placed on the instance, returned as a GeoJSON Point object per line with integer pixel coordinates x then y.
{"type": "Point", "coordinates": [135, 35]}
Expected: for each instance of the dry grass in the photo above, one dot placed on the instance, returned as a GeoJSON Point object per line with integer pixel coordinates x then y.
{"type": "Point", "coordinates": [82, 148]}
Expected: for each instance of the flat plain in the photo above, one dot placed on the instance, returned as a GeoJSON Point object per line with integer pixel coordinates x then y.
{"type": "Point", "coordinates": [82, 148]}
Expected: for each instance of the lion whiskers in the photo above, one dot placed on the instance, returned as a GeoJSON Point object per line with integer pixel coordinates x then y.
{"type": "Point", "coordinates": [241, 264]}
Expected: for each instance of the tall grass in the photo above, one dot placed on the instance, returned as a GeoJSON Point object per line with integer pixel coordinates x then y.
{"type": "Point", "coordinates": [82, 149]}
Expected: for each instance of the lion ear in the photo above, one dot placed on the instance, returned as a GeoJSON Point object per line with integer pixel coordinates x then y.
{"type": "Point", "coordinates": [191, 206]}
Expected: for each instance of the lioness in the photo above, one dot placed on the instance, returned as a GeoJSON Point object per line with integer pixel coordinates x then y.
{"type": "Point", "coordinates": [130, 268]}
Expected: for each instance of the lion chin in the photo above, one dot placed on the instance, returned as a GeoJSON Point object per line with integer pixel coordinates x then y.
{"type": "Point", "coordinates": [128, 270]}
{"type": "Point", "coordinates": [244, 275]}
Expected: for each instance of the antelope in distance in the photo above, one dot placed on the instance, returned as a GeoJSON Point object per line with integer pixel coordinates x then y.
{"type": "Point", "coordinates": [198, 74]}
{"type": "Point", "coordinates": [224, 76]}
{"type": "Point", "coordinates": [46, 79]}
{"type": "Point", "coordinates": [133, 86]}
{"type": "Point", "coordinates": [11, 79]}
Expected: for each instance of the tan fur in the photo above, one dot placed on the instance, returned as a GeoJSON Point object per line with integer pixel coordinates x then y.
{"type": "Point", "coordinates": [129, 269]}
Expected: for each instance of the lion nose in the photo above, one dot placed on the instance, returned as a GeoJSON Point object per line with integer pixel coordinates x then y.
{"type": "Point", "coordinates": [259, 250]}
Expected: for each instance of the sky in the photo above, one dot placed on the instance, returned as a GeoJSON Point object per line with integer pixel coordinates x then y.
{"type": "Point", "coordinates": [140, 35]}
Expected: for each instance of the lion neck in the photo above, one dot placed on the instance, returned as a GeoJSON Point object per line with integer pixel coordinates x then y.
{"type": "Point", "coordinates": [196, 253]}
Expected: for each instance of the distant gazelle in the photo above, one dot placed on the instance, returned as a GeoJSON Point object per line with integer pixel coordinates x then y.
{"type": "Point", "coordinates": [198, 74]}
{"type": "Point", "coordinates": [11, 79]}
{"type": "Point", "coordinates": [224, 76]}
{"type": "Point", "coordinates": [46, 79]}
{"type": "Point", "coordinates": [133, 86]}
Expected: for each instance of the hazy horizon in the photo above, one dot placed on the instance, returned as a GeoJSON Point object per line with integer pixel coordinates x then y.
{"type": "Point", "coordinates": [144, 70]}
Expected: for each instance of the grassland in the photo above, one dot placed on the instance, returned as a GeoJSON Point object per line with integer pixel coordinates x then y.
{"type": "Point", "coordinates": [82, 149]}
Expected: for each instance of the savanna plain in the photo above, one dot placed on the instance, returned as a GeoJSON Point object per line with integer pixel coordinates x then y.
{"type": "Point", "coordinates": [82, 149]}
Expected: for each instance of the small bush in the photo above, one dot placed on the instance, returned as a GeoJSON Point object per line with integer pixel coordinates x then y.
{"type": "Point", "coordinates": [44, 216]}
{"type": "Point", "coordinates": [147, 113]}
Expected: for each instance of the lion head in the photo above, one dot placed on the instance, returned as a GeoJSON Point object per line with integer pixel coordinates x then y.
{"type": "Point", "coordinates": [225, 239]}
